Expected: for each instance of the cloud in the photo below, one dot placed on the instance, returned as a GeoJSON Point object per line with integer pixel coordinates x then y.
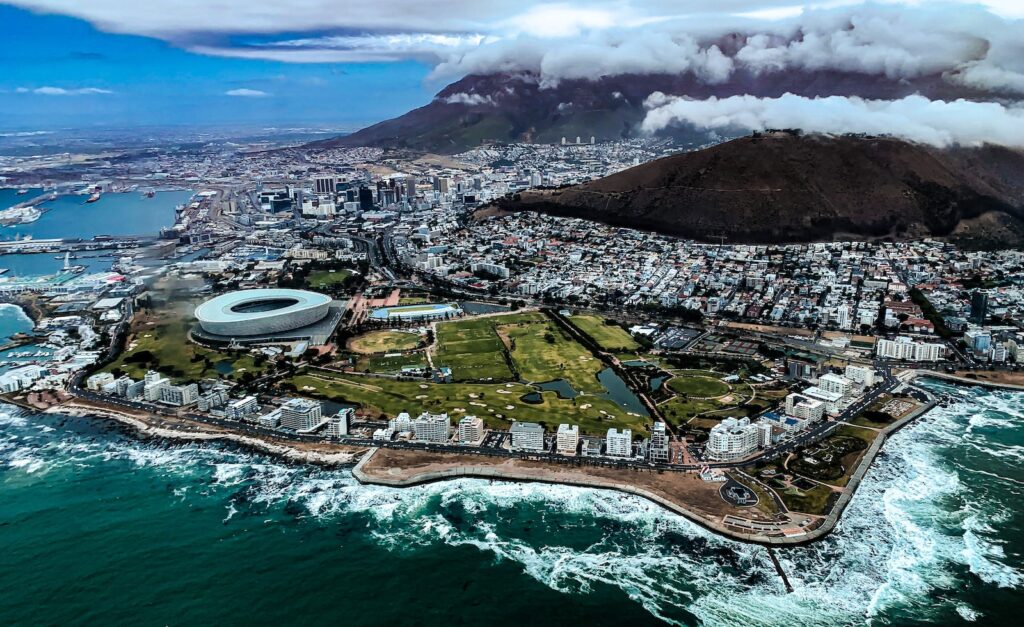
{"type": "Point", "coordinates": [246, 93]}
{"type": "Point", "coordinates": [469, 99]}
{"type": "Point", "coordinates": [915, 118]}
{"type": "Point", "coordinates": [61, 91]}
{"type": "Point", "coordinates": [972, 44]}
{"type": "Point", "coordinates": [965, 45]}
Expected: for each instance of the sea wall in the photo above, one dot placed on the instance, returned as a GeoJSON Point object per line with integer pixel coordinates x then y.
{"type": "Point", "coordinates": [582, 481]}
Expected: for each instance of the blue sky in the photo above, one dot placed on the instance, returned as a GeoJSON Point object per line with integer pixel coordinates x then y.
{"type": "Point", "coordinates": [155, 83]}
{"type": "Point", "coordinates": [348, 63]}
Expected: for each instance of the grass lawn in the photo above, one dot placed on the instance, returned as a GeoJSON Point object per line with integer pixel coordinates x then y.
{"type": "Point", "coordinates": [698, 384]}
{"type": "Point", "coordinates": [679, 411]}
{"type": "Point", "coordinates": [817, 500]}
{"type": "Point", "coordinates": [164, 334]}
{"type": "Point", "coordinates": [491, 401]}
{"type": "Point", "coordinates": [542, 352]}
{"type": "Point", "coordinates": [412, 300]}
{"type": "Point", "coordinates": [382, 364]}
{"type": "Point", "coordinates": [472, 348]}
{"type": "Point", "coordinates": [384, 342]}
{"type": "Point", "coordinates": [323, 279]}
{"type": "Point", "coordinates": [610, 337]}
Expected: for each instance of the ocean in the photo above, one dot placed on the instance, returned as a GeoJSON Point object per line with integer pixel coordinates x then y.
{"type": "Point", "coordinates": [99, 527]}
{"type": "Point", "coordinates": [113, 214]}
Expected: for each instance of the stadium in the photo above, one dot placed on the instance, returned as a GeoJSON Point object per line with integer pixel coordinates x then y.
{"type": "Point", "coordinates": [264, 316]}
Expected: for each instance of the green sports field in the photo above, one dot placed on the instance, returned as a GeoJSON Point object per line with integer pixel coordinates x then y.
{"type": "Point", "coordinates": [610, 337]}
{"type": "Point", "coordinates": [472, 348]}
{"type": "Point", "coordinates": [384, 342]}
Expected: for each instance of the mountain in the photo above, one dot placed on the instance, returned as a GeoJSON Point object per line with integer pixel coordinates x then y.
{"type": "Point", "coordinates": [784, 187]}
{"type": "Point", "coordinates": [517, 108]}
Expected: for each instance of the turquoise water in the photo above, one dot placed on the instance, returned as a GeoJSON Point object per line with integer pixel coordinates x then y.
{"type": "Point", "coordinates": [13, 320]}
{"type": "Point", "coordinates": [9, 196]}
{"type": "Point", "coordinates": [100, 528]}
{"type": "Point", "coordinates": [113, 214]}
{"type": "Point", "coordinates": [48, 263]}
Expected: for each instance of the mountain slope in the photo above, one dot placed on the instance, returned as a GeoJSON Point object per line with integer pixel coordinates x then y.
{"type": "Point", "coordinates": [782, 187]}
{"type": "Point", "coordinates": [514, 108]}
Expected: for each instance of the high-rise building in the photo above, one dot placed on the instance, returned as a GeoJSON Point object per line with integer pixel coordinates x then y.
{"type": "Point", "coordinates": [325, 184]}
{"type": "Point", "coordinates": [402, 423]}
{"type": "Point", "coordinates": [527, 436]}
{"type": "Point", "coordinates": [337, 425]}
{"type": "Point", "coordinates": [568, 439]}
{"type": "Point", "coordinates": [431, 427]}
{"type": "Point", "coordinates": [180, 395]}
{"type": "Point", "coordinates": [658, 450]}
{"type": "Point", "coordinates": [864, 375]}
{"type": "Point", "coordinates": [804, 407]}
{"type": "Point", "coordinates": [471, 430]}
{"type": "Point", "coordinates": [242, 408]}
{"type": "Point", "coordinates": [732, 439]}
{"type": "Point", "coordinates": [301, 414]}
{"type": "Point", "coordinates": [365, 199]}
{"type": "Point", "coordinates": [835, 383]}
{"type": "Point", "coordinates": [619, 444]}
{"type": "Point", "coordinates": [979, 307]}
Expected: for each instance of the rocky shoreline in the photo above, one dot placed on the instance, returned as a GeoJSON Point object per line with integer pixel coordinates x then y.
{"type": "Point", "coordinates": [398, 477]}
{"type": "Point", "coordinates": [144, 429]}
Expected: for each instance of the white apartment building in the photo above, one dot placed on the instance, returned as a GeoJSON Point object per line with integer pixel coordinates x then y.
{"type": "Point", "coordinates": [242, 408]}
{"type": "Point", "coordinates": [619, 444]}
{"type": "Point", "coordinates": [337, 425]}
{"type": "Point", "coordinates": [568, 439]}
{"type": "Point", "coordinates": [471, 430]}
{"type": "Point", "coordinates": [658, 450]}
{"type": "Point", "coordinates": [179, 395]}
{"type": "Point", "coordinates": [834, 403]}
{"type": "Point", "coordinates": [527, 436]}
{"type": "Point", "coordinates": [402, 423]}
{"type": "Point", "coordinates": [906, 348]}
{"type": "Point", "coordinates": [835, 383]}
{"type": "Point", "coordinates": [97, 381]}
{"type": "Point", "coordinates": [431, 427]}
{"type": "Point", "coordinates": [864, 375]}
{"type": "Point", "coordinates": [804, 408]}
{"type": "Point", "coordinates": [301, 414]}
{"type": "Point", "coordinates": [732, 439]}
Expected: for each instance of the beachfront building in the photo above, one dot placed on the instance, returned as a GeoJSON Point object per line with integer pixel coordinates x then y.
{"type": "Point", "coordinates": [835, 383]}
{"type": "Point", "coordinates": [804, 407]}
{"type": "Point", "coordinates": [906, 348]}
{"type": "Point", "coordinates": [301, 414]}
{"type": "Point", "coordinates": [429, 427]}
{"type": "Point", "coordinates": [864, 375]}
{"type": "Point", "coordinates": [242, 408]}
{"type": "Point", "coordinates": [471, 430]}
{"type": "Point", "coordinates": [402, 423]}
{"type": "Point", "coordinates": [568, 439]}
{"type": "Point", "coordinates": [732, 439]}
{"type": "Point", "coordinates": [97, 381]}
{"type": "Point", "coordinates": [658, 449]}
{"type": "Point", "coordinates": [619, 443]}
{"type": "Point", "coordinates": [179, 395]}
{"type": "Point", "coordinates": [527, 436]}
{"type": "Point", "coordinates": [337, 425]}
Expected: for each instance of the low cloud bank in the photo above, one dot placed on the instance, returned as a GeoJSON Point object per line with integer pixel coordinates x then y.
{"type": "Point", "coordinates": [934, 122]}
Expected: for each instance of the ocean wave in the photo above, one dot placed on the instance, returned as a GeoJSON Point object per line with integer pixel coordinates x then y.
{"type": "Point", "coordinates": [915, 527]}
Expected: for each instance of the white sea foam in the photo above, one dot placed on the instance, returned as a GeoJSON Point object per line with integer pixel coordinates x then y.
{"type": "Point", "coordinates": [915, 524]}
